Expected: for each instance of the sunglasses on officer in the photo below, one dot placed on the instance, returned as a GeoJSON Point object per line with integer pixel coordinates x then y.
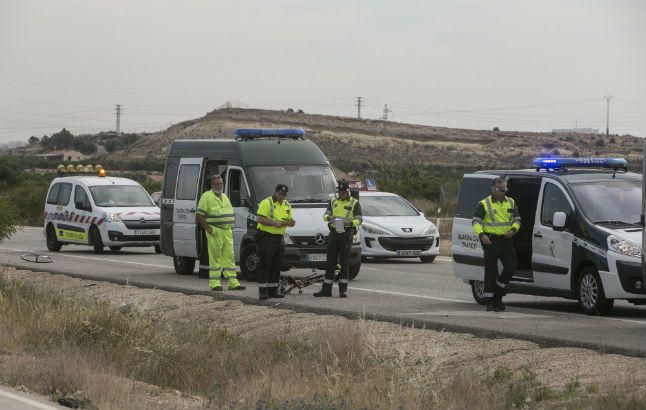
{"type": "Point", "coordinates": [499, 189]}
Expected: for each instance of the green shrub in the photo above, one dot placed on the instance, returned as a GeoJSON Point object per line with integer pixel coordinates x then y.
{"type": "Point", "coordinates": [10, 219]}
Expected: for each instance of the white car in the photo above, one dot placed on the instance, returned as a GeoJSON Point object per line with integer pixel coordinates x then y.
{"type": "Point", "coordinates": [393, 228]}
{"type": "Point", "coordinates": [100, 211]}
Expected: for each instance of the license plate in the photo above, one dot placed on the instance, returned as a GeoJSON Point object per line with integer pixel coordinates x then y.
{"type": "Point", "coordinates": [146, 232]}
{"type": "Point", "coordinates": [316, 257]}
{"type": "Point", "coordinates": [409, 253]}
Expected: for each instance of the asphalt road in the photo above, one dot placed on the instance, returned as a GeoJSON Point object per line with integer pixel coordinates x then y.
{"type": "Point", "coordinates": [402, 291]}
{"type": "Point", "coordinates": [11, 399]}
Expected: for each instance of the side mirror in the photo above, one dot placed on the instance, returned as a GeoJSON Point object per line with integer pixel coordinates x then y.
{"type": "Point", "coordinates": [558, 222]}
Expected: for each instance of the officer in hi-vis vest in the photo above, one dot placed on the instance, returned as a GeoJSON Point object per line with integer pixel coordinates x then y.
{"type": "Point", "coordinates": [274, 216]}
{"type": "Point", "coordinates": [343, 215]}
{"type": "Point", "coordinates": [496, 220]}
{"type": "Point", "coordinates": [215, 215]}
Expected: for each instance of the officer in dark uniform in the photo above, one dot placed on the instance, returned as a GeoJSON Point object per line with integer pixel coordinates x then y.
{"type": "Point", "coordinates": [496, 220]}
{"type": "Point", "coordinates": [343, 216]}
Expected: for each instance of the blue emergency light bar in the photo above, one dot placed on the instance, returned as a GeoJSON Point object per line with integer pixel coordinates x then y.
{"type": "Point", "coordinates": [249, 133]}
{"type": "Point", "coordinates": [564, 163]}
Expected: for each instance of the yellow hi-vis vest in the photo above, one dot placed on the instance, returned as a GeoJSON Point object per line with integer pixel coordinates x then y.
{"type": "Point", "coordinates": [217, 211]}
{"type": "Point", "coordinates": [276, 211]}
{"type": "Point", "coordinates": [344, 209]}
{"type": "Point", "coordinates": [498, 217]}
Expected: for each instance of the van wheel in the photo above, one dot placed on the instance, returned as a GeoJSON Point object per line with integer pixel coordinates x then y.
{"type": "Point", "coordinates": [354, 270]}
{"type": "Point", "coordinates": [427, 259]}
{"type": "Point", "coordinates": [250, 262]}
{"type": "Point", "coordinates": [53, 245]}
{"type": "Point", "coordinates": [477, 288]}
{"type": "Point", "coordinates": [592, 299]}
{"type": "Point", "coordinates": [184, 265]}
{"type": "Point", "coordinates": [97, 243]}
{"type": "Point", "coordinates": [157, 249]}
{"type": "Point", "coordinates": [115, 248]}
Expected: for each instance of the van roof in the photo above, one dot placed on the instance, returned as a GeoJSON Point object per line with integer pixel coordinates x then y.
{"type": "Point", "coordinates": [571, 175]}
{"type": "Point", "coordinates": [95, 180]}
{"type": "Point", "coordinates": [269, 151]}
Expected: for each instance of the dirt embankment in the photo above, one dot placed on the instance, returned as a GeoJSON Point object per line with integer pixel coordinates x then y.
{"type": "Point", "coordinates": [441, 363]}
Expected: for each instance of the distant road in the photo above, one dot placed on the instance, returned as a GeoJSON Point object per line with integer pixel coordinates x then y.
{"type": "Point", "coordinates": [402, 291]}
{"type": "Point", "coordinates": [14, 400]}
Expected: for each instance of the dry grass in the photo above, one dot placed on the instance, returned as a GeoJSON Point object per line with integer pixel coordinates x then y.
{"type": "Point", "coordinates": [55, 344]}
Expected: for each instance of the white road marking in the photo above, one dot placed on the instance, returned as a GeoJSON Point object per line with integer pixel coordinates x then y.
{"type": "Point", "coordinates": [90, 258]}
{"type": "Point", "coordinates": [28, 401]}
{"type": "Point", "coordinates": [479, 313]}
{"type": "Point", "coordinates": [410, 295]}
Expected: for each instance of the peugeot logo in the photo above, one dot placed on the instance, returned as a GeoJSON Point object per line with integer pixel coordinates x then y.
{"type": "Point", "coordinates": [407, 230]}
{"type": "Point", "coordinates": [319, 239]}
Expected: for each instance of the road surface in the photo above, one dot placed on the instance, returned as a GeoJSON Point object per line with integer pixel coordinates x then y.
{"type": "Point", "coordinates": [401, 291]}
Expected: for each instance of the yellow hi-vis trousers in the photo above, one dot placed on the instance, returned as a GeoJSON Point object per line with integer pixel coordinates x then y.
{"type": "Point", "coordinates": [221, 259]}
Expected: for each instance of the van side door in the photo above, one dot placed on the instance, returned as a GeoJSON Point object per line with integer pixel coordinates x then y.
{"type": "Point", "coordinates": [81, 213]}
{"type": "Point", "coordinates": [187, 194]}
{"type": "Point", "coordinates": [552, 250]}
{"type": "Point", "coordinates": [238, 192]}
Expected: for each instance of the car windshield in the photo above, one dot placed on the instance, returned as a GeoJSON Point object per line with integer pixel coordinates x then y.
{"type": "Point", "coordinates": [307, 183]}
{"type": "Point", "coordinates": [610, 202]}
{"type": "Point", "coordinates": [120, 195]}
{"type": "Point", "coordinates": [386, 206]}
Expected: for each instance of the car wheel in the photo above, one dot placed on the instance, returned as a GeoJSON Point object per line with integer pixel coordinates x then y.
{"type": "Point", "coordinates": [53, 245]}
{"type": "Point", "coordinates": [250, 262]}
{"type": "Point", "coordinates": [157, 249]}
{"type": "Point", "coordinates": [115, 248]}
{"type": "Point", "coordinates": [354, 270]}
{"type": "Point", "coordinates": [592, 298]}
{"type": "Point", "coordinates": [184, 265]}
{"type": "Point", "coordinates": [427, 259]}
{"type": "Point", "coordinates": [97, 243]}
{"type": "Point", "coordinates": [477, 288]}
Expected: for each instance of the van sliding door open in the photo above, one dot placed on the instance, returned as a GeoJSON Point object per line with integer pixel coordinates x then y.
{"type": "Point", "coordinates": [187, 194]}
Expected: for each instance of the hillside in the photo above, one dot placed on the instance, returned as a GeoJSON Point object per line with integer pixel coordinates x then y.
{"type": "Point", "coordinates": [360, 145]}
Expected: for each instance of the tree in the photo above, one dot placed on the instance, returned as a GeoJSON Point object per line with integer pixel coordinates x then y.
{"type": "Point", "coordinates": [496, 129]}
{"type": "Point", "coordinates": [9, 220]}
{"type": "Point", "coordinates": [33, 140]}
{"type": "Point", "coordinates": [62, 139]}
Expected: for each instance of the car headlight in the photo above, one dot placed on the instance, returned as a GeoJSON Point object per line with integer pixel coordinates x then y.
{"type": "Point", "coordinates": [114, 218]}
{"type": "Point", "coordinates": [356, 239]}
{"type": "Point", "coordinates": [624, 247]}
{"type": "Point", "coordinates": [288, 240]}
{"type": "Point", "coordinates": [373, 230]}
{"type": "Point", "coordinates": [431, 230]}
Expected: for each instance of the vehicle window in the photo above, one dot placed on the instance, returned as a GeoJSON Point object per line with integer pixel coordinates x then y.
{"type": "Point", "coordinates": [187, 182]}
{"type": "Point", "coordinates": [170, 180]}
{"type": "Point", "coordinates": [307, 183]}
{"type": "Point", "coordinates": [472, 191]}
{"type": "Point", "coordinates": [52, 197]}
{"type": "Point", "coordinates": [611, 202]}
{"type": "Point", "coordinates": [64, 194]}
{"type": "Point", "coordinates": [237, 188]}
{"type": "Point", "coordinates": [81, 200]}
{"type": "Point", "coordinates": [554, 200]}
{"type": "Point", "coordinates": [386, 206]}
{"type": "Point", "coordinates": [120, 195]}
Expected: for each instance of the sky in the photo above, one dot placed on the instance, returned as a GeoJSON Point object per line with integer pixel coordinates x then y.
{"type": "Point", "coordinates": [516, 65]}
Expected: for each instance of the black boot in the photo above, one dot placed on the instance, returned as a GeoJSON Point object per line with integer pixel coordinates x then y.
{"type": "Point", "coordinates": [343, 289]}
{"type": "Point", "coordinates": [492, 306]}
{"type": "Point", "coordinates": [273, 293]}
{"type": "Point", "coordinates": [325, 292]}
{"type": "Point", "coordinates": [499, 294]}
{"type": "Point", "coordinates": [262, 293]}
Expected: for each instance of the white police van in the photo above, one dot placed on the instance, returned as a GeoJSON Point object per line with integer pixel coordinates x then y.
{"type": "Point", "coordinates": [251, 164]}
{"type": "Point", "coordinates": [580, 236]}
{"type": "Point", "coordinates": [100, 211]}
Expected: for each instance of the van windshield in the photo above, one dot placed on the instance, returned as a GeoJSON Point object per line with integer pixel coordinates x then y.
{"type": "Point", "coordinates": [386, 206]}
{"type": "Point", "coordinates": [120, 195]}
{"type": "Point", "coordinates": [610, 202]}
{"type": "Point", "coordinates": [307, 183]}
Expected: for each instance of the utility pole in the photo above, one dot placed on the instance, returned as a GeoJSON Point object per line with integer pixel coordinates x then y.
{"type": "Point", "coordinates": [608, 97]}
{"type": "Point", "coordinates": [359, 107]}
{"type": "Point", "coordinates": [118, 120]}
{"type": "Point", "coordinates": [387, 112]}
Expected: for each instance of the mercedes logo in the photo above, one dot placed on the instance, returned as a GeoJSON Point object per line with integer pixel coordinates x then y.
{"type": "Point", "coordinates": [142, 221]}
{"type": "Point", "coordinates": [319, 239]}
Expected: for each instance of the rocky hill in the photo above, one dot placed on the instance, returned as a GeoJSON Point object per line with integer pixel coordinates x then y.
{"type": "Point", "coordinates": [361, 145]}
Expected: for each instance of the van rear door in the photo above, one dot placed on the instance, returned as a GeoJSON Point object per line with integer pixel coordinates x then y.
{"type": "Point", "coordinates": [187, 194]}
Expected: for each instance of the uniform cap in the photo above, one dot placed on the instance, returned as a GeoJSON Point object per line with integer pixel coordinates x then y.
{"type": "Point", "coordinates": [342, 186]}
{"type": "Point", "coordinates": [282, 188]}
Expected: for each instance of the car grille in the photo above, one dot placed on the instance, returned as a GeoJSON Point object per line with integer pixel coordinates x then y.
{"type": "Point", "coordinates": [306, 244]}
{"type": "Point", "coordinates": [402, 244]}
{"type": "Point", "coordinates": [140, 225]}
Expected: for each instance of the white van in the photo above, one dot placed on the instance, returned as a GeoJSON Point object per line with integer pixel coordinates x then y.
{"type": "Point", "coordinates": [393, 228]}
{"type": "Point", "coordinates": [580, 235]}
{"type": "Point", "coordinates": [100, 211]}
